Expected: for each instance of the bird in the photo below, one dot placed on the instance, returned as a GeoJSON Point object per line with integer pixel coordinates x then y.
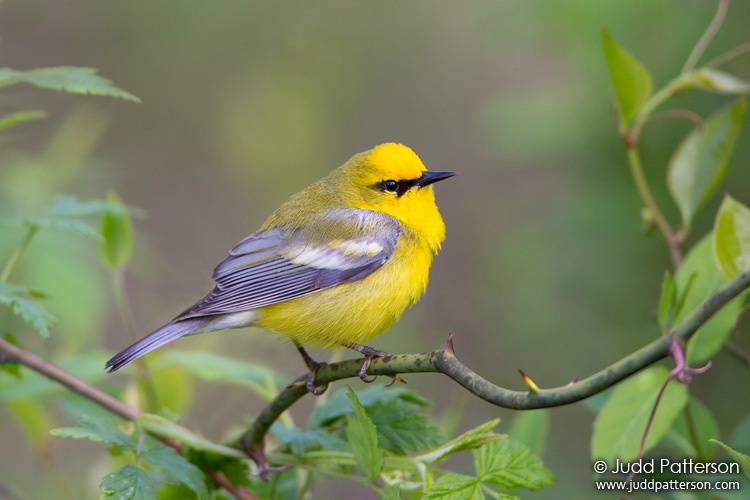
{"type": "Point", "coordinates": [334, 266]}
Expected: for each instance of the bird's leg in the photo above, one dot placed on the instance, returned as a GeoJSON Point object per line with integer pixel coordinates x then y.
{"type": "Point", "coordinates": [369, 353]}
{"type": "Point", "coordinates": [313, 366]}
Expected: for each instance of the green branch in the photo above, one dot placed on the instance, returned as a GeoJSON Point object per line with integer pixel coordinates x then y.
{"type": "Point", "coordinates": [445, 361]}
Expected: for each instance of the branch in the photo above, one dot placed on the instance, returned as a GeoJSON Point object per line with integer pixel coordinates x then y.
{"type": "Point", "coordinates": [10, 352]}
{"type": "Point", "coordinates": [444, 361]}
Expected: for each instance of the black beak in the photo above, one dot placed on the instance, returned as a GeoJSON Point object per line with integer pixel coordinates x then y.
{"type": "Point", "coordinates": [430, 177]}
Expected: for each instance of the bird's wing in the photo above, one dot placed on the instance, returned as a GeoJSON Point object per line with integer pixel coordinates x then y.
{"type": "Point", "coordinates": [275, 265]}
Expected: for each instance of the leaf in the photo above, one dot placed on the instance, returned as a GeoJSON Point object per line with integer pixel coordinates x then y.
{"type": "Point", "coordinates": [21, 299]}
{"type": "Point", "coordinates": [630, 78]}
{"type": "Point", "coordinates": [714, 80]}
{"type": "Point", "coordinates": [699, 272]}
{"type": "Point", "coordinates": [97, 430]}
{"type": "Point", "coordinates": [620, 425]}
{"type": "Point", "coordinates": [402, 428]}
{"type": "Point", "coordinates": [117, 234]}
{"type": "Point", "coordinates": [339, 405]}
{"type": "Point", "coordinates": [731, 241]}
{"type": "Point", "coordinates": [742, 459]}
{"type": "Point", "coordinates": [363, 438]}
{"type": "Point", "coordinates": [531, 428]}
{"type": "Point", "coordinates": [66, 78]}
{"type": "Point", "coordinates": [699, 430]}
{"type": "Point", "coordinates": [13, 119]}
{"type": "Point", "coordinates": [390, 492]}
{"type": "Point", "coordinates": [511, 464]}
{"type": "Point", "coordinates": [161, 426]}
{"type": "Point", "coordinates": [301, 441]}
{"type": "Point", "coordinates": [700, 161]}
{"type": "Point", "coordinates": [452, 486]}
{"type": "Point", "coordinates": [177, 467]}
{"type": "Point", "coordinates": [469, 440]}
{"type": "Point", "coordinates": [8, 365]}
{"type": "Point", "coordinates": [128, 482]}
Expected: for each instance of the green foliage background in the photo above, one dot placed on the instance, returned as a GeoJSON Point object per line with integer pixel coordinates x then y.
{"type": "Point", "coordinates": [243, 103]}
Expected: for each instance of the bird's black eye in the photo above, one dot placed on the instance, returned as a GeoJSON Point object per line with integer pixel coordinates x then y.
{"type": "Point", "coordinates": [390, 186]}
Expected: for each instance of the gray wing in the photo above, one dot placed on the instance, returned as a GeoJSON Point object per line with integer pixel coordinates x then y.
{"type": "Point", "coordinates": [274, 266]}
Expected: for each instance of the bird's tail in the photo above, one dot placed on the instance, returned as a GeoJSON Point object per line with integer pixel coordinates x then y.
{"type": "Point", "coordinates": [158, 338]}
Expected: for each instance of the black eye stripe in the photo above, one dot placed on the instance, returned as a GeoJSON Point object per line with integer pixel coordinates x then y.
{"type": "Point", "coordinates": [398, 187]}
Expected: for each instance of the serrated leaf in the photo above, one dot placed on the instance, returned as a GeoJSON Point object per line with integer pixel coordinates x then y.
{"type": "Point", "coordinates": [731, 241]}
{"type": "Point", "coordinates": [511, 464]}
{"type": "Point", "coordinates": [97, 430]}
{"type": "Point", "coordinates": [402, 428]}
{"type": "Point", "coordinates": [301, 441]}
{"type": "Point", "coordinates": [620, 425]}
{"type": "Point", "coordinates": [452, 486]}
{"type": "Point", "coordinates": [128, 482]}
{"type": "Point", "coordinates": [698, 431]}
{"type": "Point", "coordinates": [714, 80]}
{"type": "Point", "coordinates": [339, 405]}
{"type": "Point", "coordinates": [71, 79]}
{"type": "Point", "coordinates": [19, 117]}
{"type": "Point", "coordinates": [741, 459]}
{"type": "Point", "coordinates": [177, 467]}
{"type": "Point", "coordinates": [700, 276]}
{"type": "Point", "coordinates": [531, 428]}
{"type": "Point", "coordinates": [630, 78]}
{"type": "Point", "coordinates": [469, 440]}
{"type": "Point", "coordinates": [117, 234]}
{"type": "Point", "coordinates": [22, 301]}
{"type": "Point", "coordinates": [701, 160]}
{"type": "Point", "coordinates": [363, 438]}
{"type": "Point", "coordinates": [390, 492]}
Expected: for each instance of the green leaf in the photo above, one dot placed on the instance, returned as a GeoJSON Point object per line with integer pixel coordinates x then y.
{"type": "Point", "coordinates": [731, 241]}
{"type": "Point", "coordinates": [469, 440]}
{"type": "Point", "coordinates": [511, 464]}
{"type": "Point", "coordinates": [532, 429]}
{"type": "Point", "coordinates": [66, 78]}
{"type": "Point", "coordinates": [117, 234]}
{"type": "Point", "coordinates": [10, 366]}
{"type": "Point", "coordinates": [128, 482]}
{"type": "Point", "coordinates": [630, 78]}
{"type": "Point", "coordinates": [97, 430]}
{"type": "Point", "coordinates": [13, 119]}
{"type": "Point", "coordinates": [620, 425]}
{"type": "Point", "coordinates": [699, 275]}
{"type": "Point", "coordinates": [667, 302]}
{"type": "Point", "coordinates": [301, 441]}
{"type": "Point", "coordinates": [339, 405]}
{"type": "Point", "coordinates": [402, 428]}
{"type": "Point", "coordinates": [22, 300]}
{"type": "Point", "coordinates": [452, 486]}
{"type": "Point", "coordinates": [714, 80]}
{"type": "Point", "coordinates": [390, 492]}
{"type": "Point", "coordinates": [701, 160]}
{"type": "Point", "coordinates": [742, 459]}
{"type": "Point", "coordinates": [698, 429]}
{"type": "Point", "coordinates": [363, 438]}
{"type": "Point", "coordinates": [177, 467]}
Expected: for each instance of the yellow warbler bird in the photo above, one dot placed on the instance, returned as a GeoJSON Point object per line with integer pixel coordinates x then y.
{"type": "Point", "coordinates": [334, 266]}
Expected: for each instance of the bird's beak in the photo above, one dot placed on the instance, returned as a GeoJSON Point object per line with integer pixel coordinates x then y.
{"type": "Point", "coordinates": [430, 177]}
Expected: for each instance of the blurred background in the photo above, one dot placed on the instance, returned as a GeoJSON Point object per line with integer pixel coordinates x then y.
{"type": "Point", "coordinates": [546, 266]}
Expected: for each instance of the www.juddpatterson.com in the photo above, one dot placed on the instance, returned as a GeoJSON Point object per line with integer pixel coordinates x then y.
{"type": "Point", "coordinates": [666, 466]}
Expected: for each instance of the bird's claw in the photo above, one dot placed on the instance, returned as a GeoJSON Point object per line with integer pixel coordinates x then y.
{"type": "Point", "coordinates": [315, 390]}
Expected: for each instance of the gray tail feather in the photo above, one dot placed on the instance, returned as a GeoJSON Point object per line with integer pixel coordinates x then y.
{"type": "Point", "coordinates": [158, 338]}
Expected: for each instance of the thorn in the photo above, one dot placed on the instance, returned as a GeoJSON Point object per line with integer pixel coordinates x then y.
{"type": "Point", "coordinates": [395, 378]}
{"type": "Point", "coordinates": [448, 346]}
{"type": "Point", "coordinates": [573, 381]}
{"type": "Point", "coordinates": [529, 383]}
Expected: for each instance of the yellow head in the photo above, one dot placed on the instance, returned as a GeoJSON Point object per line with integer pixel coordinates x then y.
{"type": "Point", "coordinates": [390, 178]}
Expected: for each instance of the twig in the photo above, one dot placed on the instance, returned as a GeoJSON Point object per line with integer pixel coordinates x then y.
{"type": "Point", "coordinates": [11, 352]}
{"type": "Point", "coordinates": [705, 39]}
